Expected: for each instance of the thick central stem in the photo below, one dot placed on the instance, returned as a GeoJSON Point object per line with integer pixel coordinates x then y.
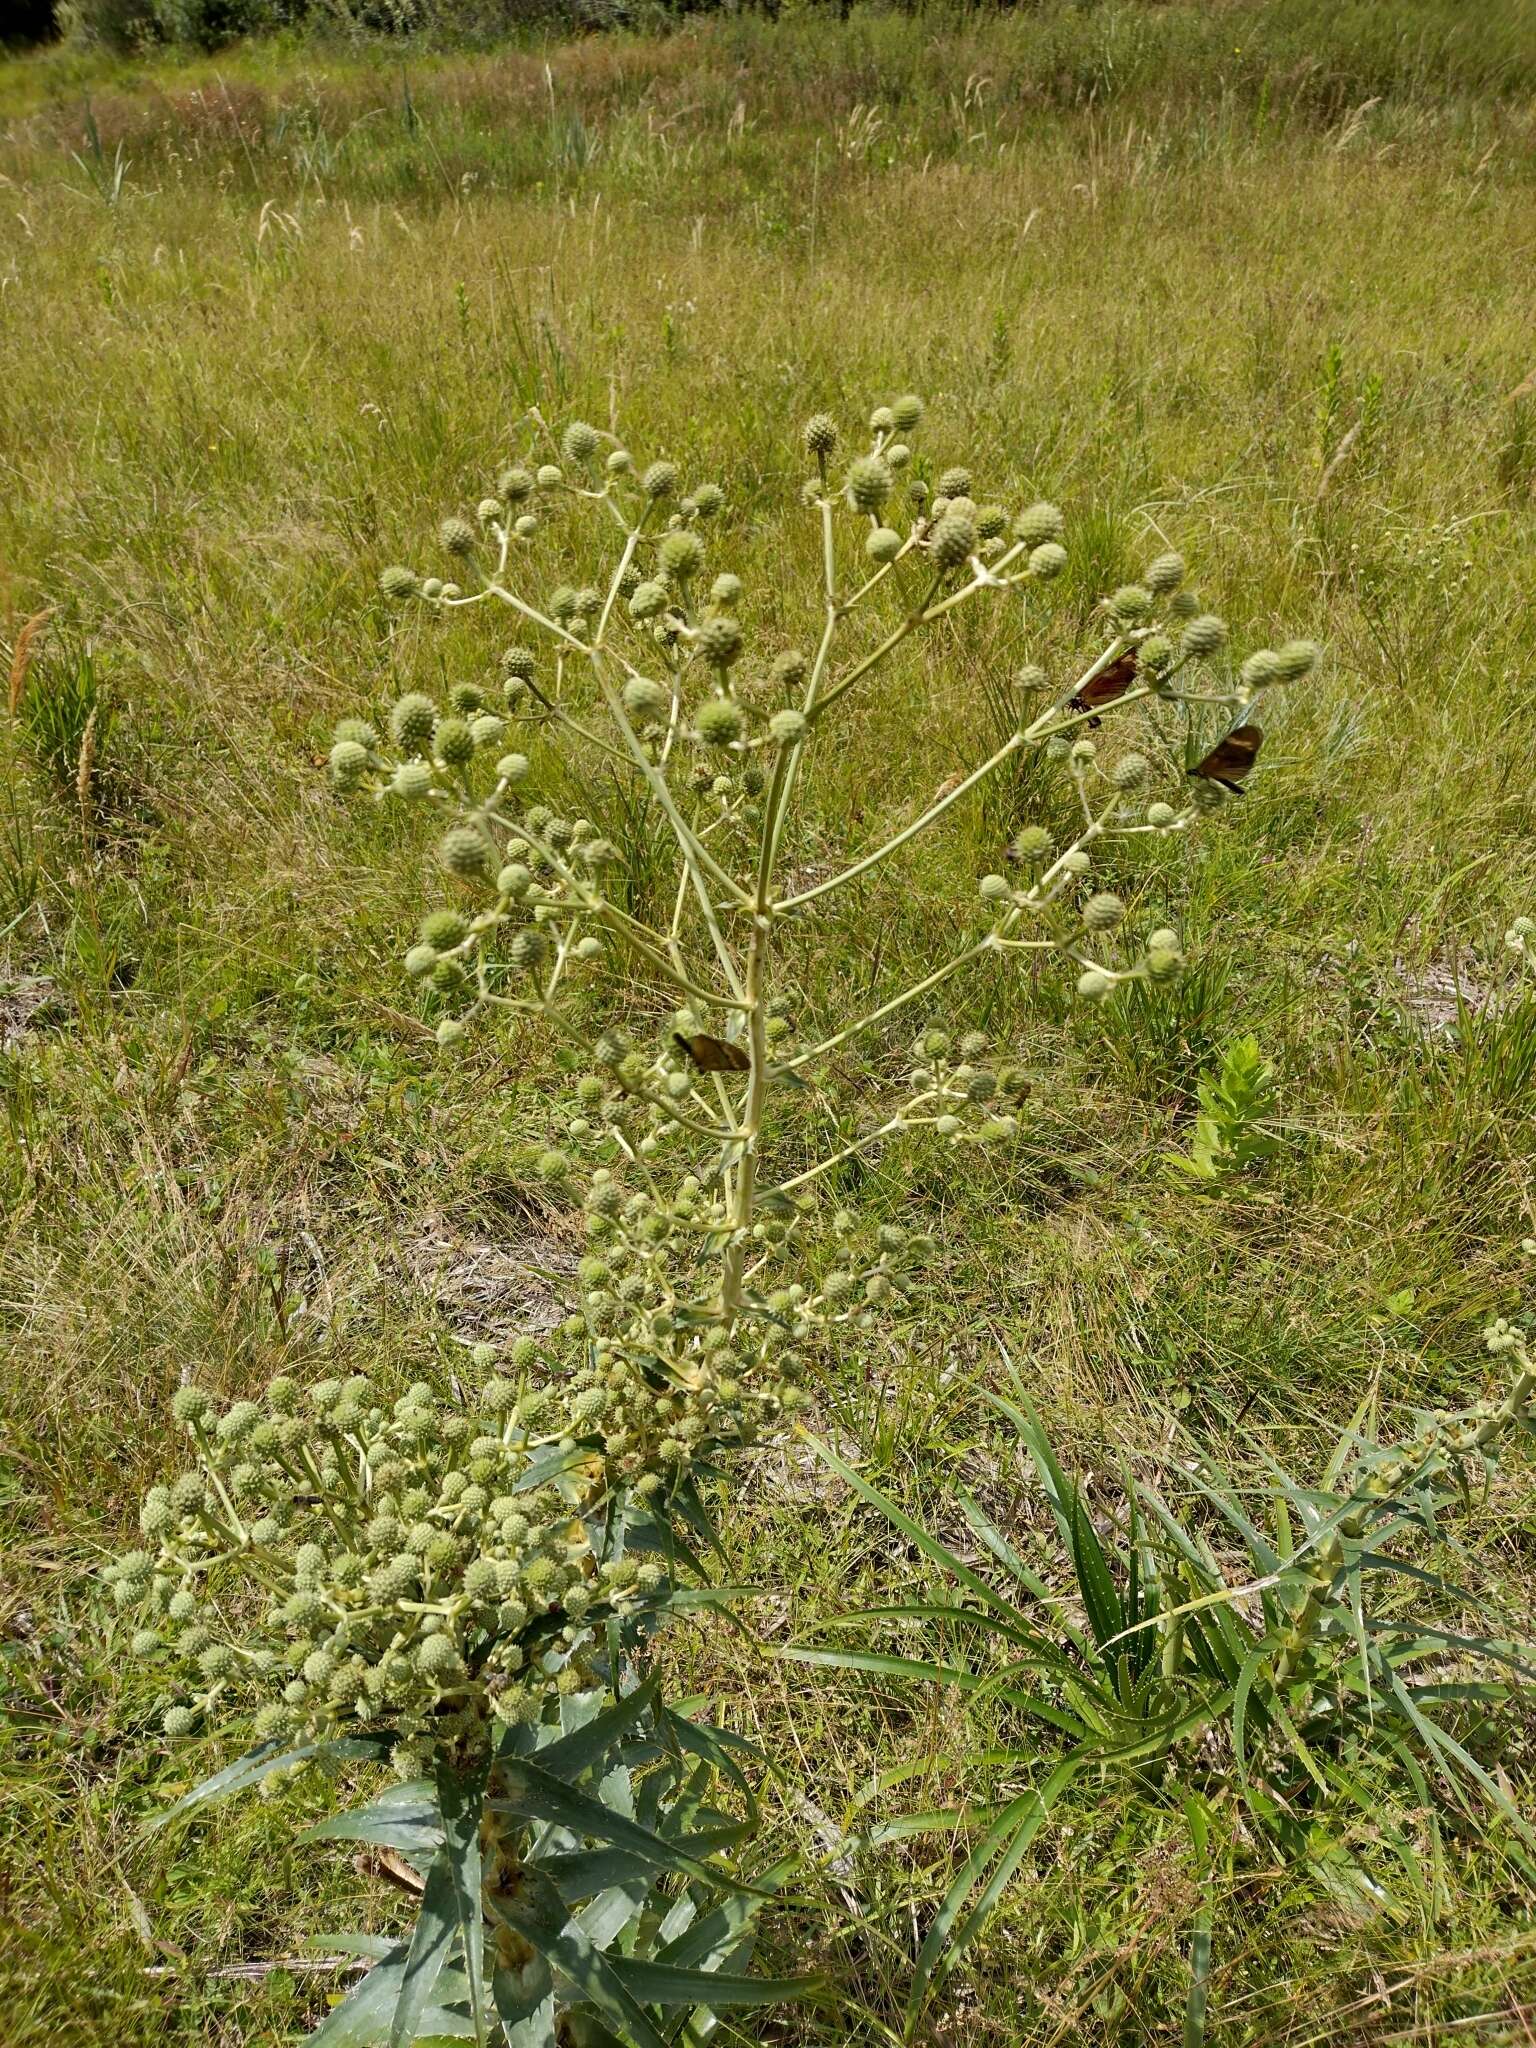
{"type": "Point", "coordinates": [744, 1196]}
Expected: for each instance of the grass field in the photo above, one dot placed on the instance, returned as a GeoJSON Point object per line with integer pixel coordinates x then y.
{"type": "Point", "coordinates": [1252, 281]}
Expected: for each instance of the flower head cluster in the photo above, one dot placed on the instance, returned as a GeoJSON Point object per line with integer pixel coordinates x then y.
{"type": "Point", "coordinates": [333, 1559]}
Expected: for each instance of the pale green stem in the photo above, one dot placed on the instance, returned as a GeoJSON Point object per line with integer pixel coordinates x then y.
{"type": "Point", "coordinates": [921, 824]}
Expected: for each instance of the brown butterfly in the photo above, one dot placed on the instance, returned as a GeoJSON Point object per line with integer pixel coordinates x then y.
{"type": "Point", "coordinates": [1230, 759]}
{"type": "Point", "coordinates": [712, 1055]}
{"type": "Point", "coordinates": [1106, 686]}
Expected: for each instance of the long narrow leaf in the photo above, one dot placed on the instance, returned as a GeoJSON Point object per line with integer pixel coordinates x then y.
{"type": "Point", "coordinates": [259, 1763]}
{"type": "Point", "coordinates": [1004, 1845]}
{"type": "Point", "coordinates": [436, 1925]}
{"type": "Point", "coordinates": [461, 1801]}
{"type": "Point", "coordinates": [930, 1546]}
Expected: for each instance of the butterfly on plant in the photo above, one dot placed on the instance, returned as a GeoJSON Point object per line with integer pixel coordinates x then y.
{"type": "Point", "coordinates": [1230, 760]}
{"type": "Point", "coordinates": [712, 1055]}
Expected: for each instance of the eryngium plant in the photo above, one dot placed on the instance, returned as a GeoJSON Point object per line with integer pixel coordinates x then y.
{"type": "Point", "coordinates": [1259, 1645]}
{"type": "Point", "coordinates": [443, 1581]}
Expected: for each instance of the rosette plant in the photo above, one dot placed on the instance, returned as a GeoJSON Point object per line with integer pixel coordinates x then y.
{"type": "Point", "coordinates": [1265, 1658]}
{"type": "Point", "coordinates": [469, 1586]}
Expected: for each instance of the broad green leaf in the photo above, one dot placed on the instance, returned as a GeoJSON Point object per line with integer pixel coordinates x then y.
{"type": "Point", "coordinates": [716, 1933]}
{"type": "Point", "coordinates": [533, 1794]}
{"type": "Point", "coordinates": [404, 1818]}
{"type": "Point", "coordinates": [363, 2019]}
{"type": "Point", "coordinates": [582, 1874]}
{"type": "Point", "coordinates": [538, 1915]}
{"type": "Point", "coordinates": [525, 2004]}
{"type": "Point", "coordinates": [570, 1755]}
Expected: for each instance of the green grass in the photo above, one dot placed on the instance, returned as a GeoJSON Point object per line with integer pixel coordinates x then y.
{"type": "Point", "coordinates": [275, 312]}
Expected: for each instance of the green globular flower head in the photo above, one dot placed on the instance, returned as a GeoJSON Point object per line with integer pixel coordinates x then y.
{"type": "Point", "coordinates": [514, 485]}
{"type": "Point", "coordinates": [1047, 560]}
{"type": "Point", "coordinates": [647, 702]}
{"type": "Point", "coordinates": [995, 889]}
{"type": "Point", "coordinates": [1130, 604]}
{"type": "Point", "coordinates": [442, 930]}
{"type": "Point", "coordinates": [512, 769]}
{"type": "Point", "coordinates": [1163, 963]}
{"type": "Point", "coordinates": [681, 554]}
{"type": "Point", "coordinates": [648, 601]}
{"type": "Point", "coordinates": [191, 1405]}
{"type": "Point", "coordinates": [883, 545]}
{"type": "Point", "coordinates": [660, 480]}
{"type": "Point", "coordinates": [465, 854]}
{"type": "Point", "coordinates": [1260, 669]}
{"type": "Point", "coordinates": [788, 727]}
{"type": "Point", "coordinates": [399, 582]}
{"type": "Point", "coordinates": [489, 510]}
{"type": "Point", "coordinates": [438, 1660]}
{"type": "Point", "coordinates": [454, 742]}
{"type": "Point", "coordinates": [411, 722]}
{"type": "Point", "coordinates": [725, 590]}
{"type": "Point", "coordinates": [719, 722]}
{"type": "Point", "coordinates": [1297, 658]}
{"type": "Point", "coordinates": [1164, 575]}
{"type": "Point", "coordinates": [487, 729]}
{"type": "Point", "coordinates": [1032, 844]}
{"type": "Point", "coordinates": [457, 536]}
{"type": "Point", "coordinates": [358, 730]}
{"type": "Point", "coordinates": [707, 500]}
{"type": "Point", "coordinates": [1093, 984]}
{"type": "Point", "coordinates": [1130, 771]}
{"type": "Point", "coordinates": [349, 763]}
{"type": "Point", "coordinates": [954, 483]}
{"type": "Point", "coordinates": [720, 641]}
{"type": "Point", "coordinates": [1161, 816]}
{"type": "Point", "coordinates": [1154, 655]}
{"type": "Point", "coordinates": [519, 662]}
{"type": "Point", "coordinates": [954, 540]}
{"type": "Point", "coordinates": [549, 476]}
{"type": "Point", "coordinates": [1204, 636]}
{"type": "Point", "coordinates": [1101, 913]}
{"type": "Point", "coordinates": [820, 435]}
{"type": "Point", "coordinates": [178, 1721]}
{"type": "Point", "coordinates": [869, 483]}
{"type": "Point", "coordinates": [1039, 523]}
{"type": "Point", "coordinates": [530, 949]}
{"type": "Point", "coordinates": [907, 413]}
{"type": "Point", "coordinates": [419, 960]}
{"type": "Point", "coordinates": [579, 442]}
{"type": "Point", "coordinates": [412, 779]}
{"type": "Point", "coordinates": [991, 521]}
